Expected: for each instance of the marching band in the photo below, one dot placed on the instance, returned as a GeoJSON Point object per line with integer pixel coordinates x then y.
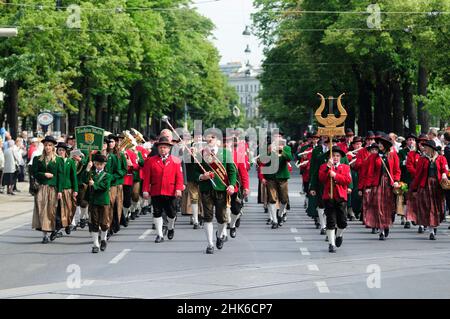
{"type": "Point", "coordinates": [343, 180]}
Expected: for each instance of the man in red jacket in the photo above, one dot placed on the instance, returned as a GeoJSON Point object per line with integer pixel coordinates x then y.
{"type": "Point", "coordinates": [335, 206]}
{"type": "Point", "coordinates": [163, 181]}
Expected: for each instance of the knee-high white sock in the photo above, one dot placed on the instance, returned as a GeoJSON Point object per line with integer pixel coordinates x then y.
{"type": "Point", "coordinates": [76, 218]}
{"type": "Point", "coordinates": [103, 235]}
{"type": "Point", "coordinates": [145, 203]}
{"type": "Point", "coordinates": [126, 212]}
{"type": "Point", "coordinates": [233, 220]}
{"type": "Point", "coordinates": [220, 228]}
{"type": "Point", "coordinates": [194, 208]}
{"type": "Point", "coordinates": [94, 236]}
{"type": "Point", "coordinates": [331, 238]}
{"type": "Point", "coordinates": [209, 229]}
{"type": "Point", "coordinates": [431, 229]}
{"type": "Point", "coordinates": [273, 212]}
{"type": "Point", "coordinates": [134, 206]}
{"type": "Point", "coordinates": [228, 215]}
{"type": "Point", "coordinates": [84, 213]}
{"type": "Point", "coordinates": [321, 212]}
{"type": "Point", "coordinates": [158, 225]}
{"type": "Point", "coordinates": [339, 232]}
{"type": "Point", "coordinates": [171, 223]}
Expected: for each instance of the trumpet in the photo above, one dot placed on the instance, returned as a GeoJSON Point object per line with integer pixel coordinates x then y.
{"type": "Point", "coordinates": [306, 152]}
{"type": "Point", "coordinates": [298, 164]}
{"type": "Point", "coordinates": [128, 142]}
{"type": "Point", "coordinates": [354, 152]}
{"type": "Point", "coordinates": [139, 137]}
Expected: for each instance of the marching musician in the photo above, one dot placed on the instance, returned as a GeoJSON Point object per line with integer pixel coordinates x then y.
{"type": "Point", "coordinates": [163, 181]}
{"type": "Point", "coordinates": [383, 176]}
{"type": "Point", "coordinates": [345, 144]}
{"type": "Point", "coordinates": [354, 202]}
{"type": "Point", "coordinates": [431, 169]}
{"type": "Point", "coordinates": [81, 211]}
{"type": "Point", "coordinates": [305, 162]}
{"type": "Point", "coordinates": [335, 201]}
{"type": "Point", "coordinates": [67, 187]}
{"type": "Point", "coordinates": [46, 169]}
{"type": "Point", "coordinates": [100, 216]}
{"type": "Point", "coordinates": [216, 187]}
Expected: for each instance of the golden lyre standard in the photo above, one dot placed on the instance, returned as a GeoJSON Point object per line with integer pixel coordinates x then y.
{"type": "Point", "coordinates": [331, 123]}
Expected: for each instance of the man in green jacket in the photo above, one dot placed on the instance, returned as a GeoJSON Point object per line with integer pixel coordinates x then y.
{"type": "Point", "coordinates": [276, 178]}
{"type": "Point", "coordinates": [99, 201]}
{"type": "Point", "coordinates": [216, 194]}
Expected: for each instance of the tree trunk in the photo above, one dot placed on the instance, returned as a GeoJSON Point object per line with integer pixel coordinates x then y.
{"type": "Point", "coordinates": [12, 106]}
{"type": "Point", "coordinates": [379, 118]}
{"type": "Point", "coordinates": [409, 107]}
{"type": "Point", "coordinates": [99, 102]}
{"type": "Point", "coordinates": [423, 116]}
{"type": "Point", "coordinates": [397, 107]}
{"type": "Point", "coordinates": [73, 120]}
{"type": "Point", "coordinates": [365, 107]}
{"type": "Point", "coordinates": [132, 105]}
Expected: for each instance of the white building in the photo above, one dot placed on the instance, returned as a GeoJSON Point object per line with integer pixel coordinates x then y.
{"type": "Point", "coordinates": [247, 86]}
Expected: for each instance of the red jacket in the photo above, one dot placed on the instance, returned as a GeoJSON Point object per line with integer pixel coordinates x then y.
{"type": "Point", "coordinates": [304, 169]}
{"type": "Point", "coordinates": [128, 179]}
{"type": "Point", "coordinates": [361, 166]}
{"type": "Point", "coordinates": [343, 146]}
{"type": "Point", "coordinates": [421, 176]}
{"type": "Point", "coordinates": [341, 181]}
{"type": "Point", "coordinates": [144, 154]}
{"type": "Point", "coordinates": [411, 163]}
{"type": "Point", "coordinates": [162, 179]}
{"type": "Point", "coordinates": [374, 169]}
{"type": "Point", "coordinates": [243, 172]}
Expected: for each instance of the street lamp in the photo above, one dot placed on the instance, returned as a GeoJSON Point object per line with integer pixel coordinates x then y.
{"type": "Point", "coordinates": [8, 32]}
{"type": "Point", "coordinates": [246, 31]}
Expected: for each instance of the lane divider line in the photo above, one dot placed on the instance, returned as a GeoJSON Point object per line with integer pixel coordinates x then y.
{"type": "Point", "coordinates": [322, 286]}
{"type": "Point", "coordinates": [298, 239]}
{"type": "Point", "coordinates": [146, 233]}
{"type": "Point", "coordinates": [304, 251]}
{"type": "Point", "coordinates": [313, 267]}
{"type": "Point", "coordinates": [122, 254]}
{"type": "Point", "coordinates": [294, 230]}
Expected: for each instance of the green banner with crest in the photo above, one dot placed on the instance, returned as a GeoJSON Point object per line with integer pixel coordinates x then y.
{"type": "Point", "coordinates": [89, 138]}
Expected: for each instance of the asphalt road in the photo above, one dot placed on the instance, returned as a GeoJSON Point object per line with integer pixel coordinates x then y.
{"type": "Point", "coordinates": [290, 262]}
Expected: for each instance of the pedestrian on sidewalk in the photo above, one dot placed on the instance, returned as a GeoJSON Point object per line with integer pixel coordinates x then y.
{"type": "Point", "coordinates": [11, 167]}
{"type": "Point", "coordinates": [46, 170]}
{"type": "Point", "coordinates": [2, 165]}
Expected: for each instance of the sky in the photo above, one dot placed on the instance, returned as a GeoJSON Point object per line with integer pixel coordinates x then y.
{"type": "Point", "coordinates": [230, 18]}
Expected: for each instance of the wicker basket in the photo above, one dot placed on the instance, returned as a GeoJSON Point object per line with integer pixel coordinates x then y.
{"type": "Point", "coordinates": [445, 184]}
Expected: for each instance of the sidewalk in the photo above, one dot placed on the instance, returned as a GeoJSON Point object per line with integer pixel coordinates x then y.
{"type": "Point", "coordinates": [16, 210]}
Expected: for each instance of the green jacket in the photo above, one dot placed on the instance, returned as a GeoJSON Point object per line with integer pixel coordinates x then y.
{"type": "Point", "coordinates": [39, 168]}
{"type": "Point", "coordinates": [122, 171]}
{"type": "Point", "coordinates": [68, 178]}
{"type": "Point", "coordinates": [283, 170]}
{"type": "Point", "coordinates": [227, 160]}
{"type": "Point", "coordinates": [318, 158]}
{"type": "Point", "coordinates": [81, 171]}
{"type": "Point", "coordinates": [136, 174]}
{"type": "Point", "coordinates": [99, 192]}
{"type": "Point", "coordinates": [113, 168]}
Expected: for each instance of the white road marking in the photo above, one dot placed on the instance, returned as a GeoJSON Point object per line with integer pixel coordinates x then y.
{"type": "Point", "coordinates": [73, 297]}
{"type": "Point", "coordinates": [122, 254]}
{"type": "Point", "coordinates": [146, 233]}
{"type": "Point", "coordinates": [298, 239]}
{"type": "Point", "coordinates": [322, 286]}
{"type": "Point", "coordinates": [313, 267]}
{"type": "Point", "coordinates": [88, 282]}
{"type": "Point", "coordinates": [304, 251]}
{"type": "Point", "coordinates": [294, 230]}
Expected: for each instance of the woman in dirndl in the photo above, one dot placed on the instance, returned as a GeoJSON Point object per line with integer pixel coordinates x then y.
{"type": "Point", "coordinates": [432, 168]}
{"type": "Point", "coordinates": [67, 187]}
{"type": "Point", "coordinates": [383, 177]}
{"type": "Point", "coordinates": [46, 170]}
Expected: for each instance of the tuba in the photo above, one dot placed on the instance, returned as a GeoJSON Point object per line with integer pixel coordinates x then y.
{"type": "Point", "coordinates": [128, 142]}
{"type": "Point", "coordinates": [138, 136]}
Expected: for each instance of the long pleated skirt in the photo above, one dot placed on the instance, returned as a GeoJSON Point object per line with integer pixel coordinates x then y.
{"type": "Point", "coordinates": [430, 204]}
{"type": "Point", "coordinates": [44, 213]}
{"type": "Point", "coordinates": [380, 203]}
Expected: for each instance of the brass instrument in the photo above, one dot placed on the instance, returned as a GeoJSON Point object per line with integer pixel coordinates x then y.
{"type": "Point", "coordinates": [128, 142]}
{"type": "Point", "coordinates": [298, 164]}
{"type": "Point", "coordinates": [138, 136]}
{"type": "Point", "coordinates": [354, 152]}
{"type": "Point", "coordinates": [306, 152]}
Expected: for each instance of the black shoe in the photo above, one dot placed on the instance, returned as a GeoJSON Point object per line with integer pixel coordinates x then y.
{"type": "Point", "coordinates": [420, 231]}
{"type": "Point", "coordinates": [133, 216]}
{"type": "Point", "coordinates": [382, 237]}
{"type": "Point", "coordinates": [351, 218]}
{"type": "Point", "coordinates": [326, 238]}
{"type": "Point", "coordinates": [323, 231]}
{"type": "Point", "coordinates": [195, 226]}
{"type": "Point", "coordinates": [136, 214]}
{"type": "Point", "coordinates": [53, 235]}
{"type": "Point", "coordinates": [159, 239]}
{"type": "Point", "coordinates": [407, 225]}
{"type": "Point", "coordinates": [210, 250]}
{"type": "Point", "coordinates": [116, 228]}
{"type": "Point", "coordinates": [95, 250]}
{"type": "Point", "coordinates": [153, 226]}
{"type": "Point", "coordinates": [191, 221]}
{"type": "Point", "coordinates": [280, 221]}
{"type": "Point", "coordinates": [224, 238]}
{"type": "Point", "coordinates": [402, 223]}
{"type": "Point", "coordinates": [219, 243]}
{"type": "Point", "coordinates": [144, 210]}
{"type": "Point", "coordinates": [274, 225]}
{"type": "Point", "coordinates": [109, 234]}
{"type": "Point", "coordinates": [45, 240]}
{"type": "Point", "coordinates": [123, 221]}
{"type": "Point", "coordinates": [266, 210]}
{"type": "Point", "coordinates": [386, 232]}
{"type": "Point", "coordinates": [82, 223]}
{"type": "Point", "coordinates": [269, 221]}
{"type": "Point", "coordinates": [331, 248]}
{"type": "Point", "coordinates": [233, 232]}
{"type": "Point", "coordinates": [103, 245]}
{"type": "Point", "coordinates": [284, 218]}
{"type": "Point", "coordinates": [432, 236]}
{"type": "Point", "coordinates": [170, 234]}
{"type": "Point", "coordinates": [238, 222]}
{"type": "Point", "coordinates": [339, 241]}
{"type": "Point", "coordinates": [68, 230]}
{"type": "Point", "coordinates": [374, 231]}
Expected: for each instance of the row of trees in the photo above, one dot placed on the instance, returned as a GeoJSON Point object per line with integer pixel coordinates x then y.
{"type": "Point", "coordinates": [394, 66]}
{"type": "Point", "coordinates": [135, 60]}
